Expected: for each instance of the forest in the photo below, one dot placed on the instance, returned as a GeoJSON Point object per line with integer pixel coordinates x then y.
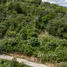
{"type": "Point", "coordinates": [34, 28]}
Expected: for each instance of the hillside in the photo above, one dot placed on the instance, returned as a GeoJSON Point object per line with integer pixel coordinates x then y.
{"type": "Point", "coordinates": [33, 28]}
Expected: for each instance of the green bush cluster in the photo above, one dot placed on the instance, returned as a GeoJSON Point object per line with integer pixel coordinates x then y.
{"type": "Point", "coordinates": [53, 49]}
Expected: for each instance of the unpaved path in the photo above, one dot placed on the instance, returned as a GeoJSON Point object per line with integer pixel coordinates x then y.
{"type": "Point", "coordinates": [32, 64]}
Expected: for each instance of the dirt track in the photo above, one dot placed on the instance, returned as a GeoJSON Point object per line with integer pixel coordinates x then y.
{"type": "Point", "coordinates": [32, 64]}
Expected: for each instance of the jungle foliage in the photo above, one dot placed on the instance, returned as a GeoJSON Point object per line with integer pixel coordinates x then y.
{"type": "Point", "coordinates": [22, 21]}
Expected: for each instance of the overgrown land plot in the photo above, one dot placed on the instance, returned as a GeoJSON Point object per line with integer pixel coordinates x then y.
{"type": "Point", "coordinates": [33, 28]}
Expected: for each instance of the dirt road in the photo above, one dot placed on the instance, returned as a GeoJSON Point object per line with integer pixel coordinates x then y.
{"type": "Point", "coordinates": [32, 64]}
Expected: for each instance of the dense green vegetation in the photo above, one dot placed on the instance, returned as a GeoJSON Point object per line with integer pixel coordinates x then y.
{"type": "Point", "coordinates": [63, 64]}
{"type": "Point", "coordinates": [13, 63]}
{"type": "Point", "coordinates": [21, 24]}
